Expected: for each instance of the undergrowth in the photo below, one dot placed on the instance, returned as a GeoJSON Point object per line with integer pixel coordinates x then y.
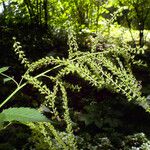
{"type": "Point", "coordinates": [109, 68]}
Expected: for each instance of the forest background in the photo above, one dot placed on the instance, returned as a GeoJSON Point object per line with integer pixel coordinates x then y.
{"type": "Point", "coordinates": [75, 74]}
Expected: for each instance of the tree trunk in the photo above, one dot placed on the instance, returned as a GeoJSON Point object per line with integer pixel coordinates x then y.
{"type": "Point", "coordinates": [4, 6]}
{"type": "Point", "coordinates": [141, 33]}
{"type": "Point", "coordinates": [30, 10]}
{"type": "Point", "coordinates": [141, 40]}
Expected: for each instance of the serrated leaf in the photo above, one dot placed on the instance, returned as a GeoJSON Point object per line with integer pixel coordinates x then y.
{"type": "Point", "coordinates": [3, 69]}
{"type": "Point", "coordinates": [22, 114]}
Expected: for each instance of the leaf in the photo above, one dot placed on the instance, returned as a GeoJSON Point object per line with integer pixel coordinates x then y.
{"type": "Point", "coordinates": [7, 79]}
{"type": "Point", "coordinates": [2, 117]}
{"type": "Point", "coordinates": [3, 69]}
{"type": "Point", "coordinates": [87, 118]}
{"type": "Point", "coordinates": [22, 114]}
{"type": "Point", "coordinates": [98, 123]}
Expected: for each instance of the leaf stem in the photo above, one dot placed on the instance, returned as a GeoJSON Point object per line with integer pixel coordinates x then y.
{"type": "Point", "coordinates": [11, 78]}
{"type": "Point", "coordinates": [12, 94]}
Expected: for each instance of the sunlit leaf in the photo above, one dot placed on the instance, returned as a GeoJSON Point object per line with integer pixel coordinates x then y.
{"type": "Point", "coordinates": [22, 114]}
{"type": "Point", "coordinates": [3, 69]}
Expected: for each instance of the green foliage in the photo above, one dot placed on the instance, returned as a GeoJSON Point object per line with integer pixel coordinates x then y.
{"type": "Point", "coordinates": [14, 137]}
{"type": "Point", "coordinates": [131, 142]}
{"type": "Point", "coordinates": [85, 141]}
{"type": "Point", "coordinates": [135, 15]}
{"type": "Point", "coordinates": [102, 115]}
{"type": "Point", "coordinates": [110, 68]}
{"type": "Point", "coordinates": [3, 69]}
{"type": "Point", "coordinates": [82, 13]}
{"type": "Point", "coordinates": [137, 141]}
{"type": "Point", "coordinates": [100, 64]}
{"type": "Point", "coordinates": [22, 115]}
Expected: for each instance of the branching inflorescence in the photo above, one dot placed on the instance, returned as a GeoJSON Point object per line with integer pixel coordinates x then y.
{"type": "Point", "coordinates": [110, 68]}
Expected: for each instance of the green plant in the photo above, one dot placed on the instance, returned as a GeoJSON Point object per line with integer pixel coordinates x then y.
{"type": "Point", "coordinates": [85, 141]}
{"type": "Point", "coordinates": [111, 68]}
{"type": "Point", "coordinates": [102, 115]}
{"type": "Point", "coordinates": [131, 142]}
{"type": "Point", "coordinates": [21, 114]}
{"type": "Point", "coordinates": [137, 141]}
{"type": "Point", "coordinates": [134, 10]}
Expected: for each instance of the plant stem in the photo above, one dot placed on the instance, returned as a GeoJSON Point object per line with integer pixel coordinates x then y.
{"type": "Point", "coordinates": [21, 86]}
{"type": "Point", "coordinates": [12, 94]}
{"type": "Point", "coordinates": [11, 78]}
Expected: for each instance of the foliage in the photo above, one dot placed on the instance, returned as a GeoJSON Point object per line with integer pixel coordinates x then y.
{"type": "Point", "coordinates": [135, 15]}
{"type": "Point", "coordinates": [18, 114]}
{"type": "Point", "coordinates": [109, 68]}
{"type": "Point", "coordinates": [3, 69]}
{"type": "Point", "coordinates": [56, 13]}
{"type": "Point", "coordinates": [132, 142]}
{"type": "Point", "coordinates": [137, 141]}
{"type": "Point", "coordinates": [135, 10]}
{"type": "Point", "coordinates": [14, 137]}
{"type": "Point", "coordinates": [22, 115]}
{"type": "Point", "coordinates": [102, 115]}
{"type": "Point", "coordinates": [87, 142]}
{"type": "Point", "coordinates": [89, 58]}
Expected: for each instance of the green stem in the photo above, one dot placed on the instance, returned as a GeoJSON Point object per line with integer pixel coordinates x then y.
{"type": "Point", "coordinates": [12, 94]}
{"type": "Point", "coordinates": [21, 86]}
{"type": "Point", "coordinates": [43, 73]}
{"type": "Point", "coordinates": [10, 78]}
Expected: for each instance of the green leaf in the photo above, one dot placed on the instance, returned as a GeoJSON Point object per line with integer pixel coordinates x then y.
{"type": "Point", "coordinates": [3, 69]}
{"type": "Point", "coordinates": [2, 117]}
{"type": "Point", "coordinates": [87, 118]}
{"type": "Point", "coordinates": [22, 115]}
{"type": "Point", "coordinates": [7, 79]}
